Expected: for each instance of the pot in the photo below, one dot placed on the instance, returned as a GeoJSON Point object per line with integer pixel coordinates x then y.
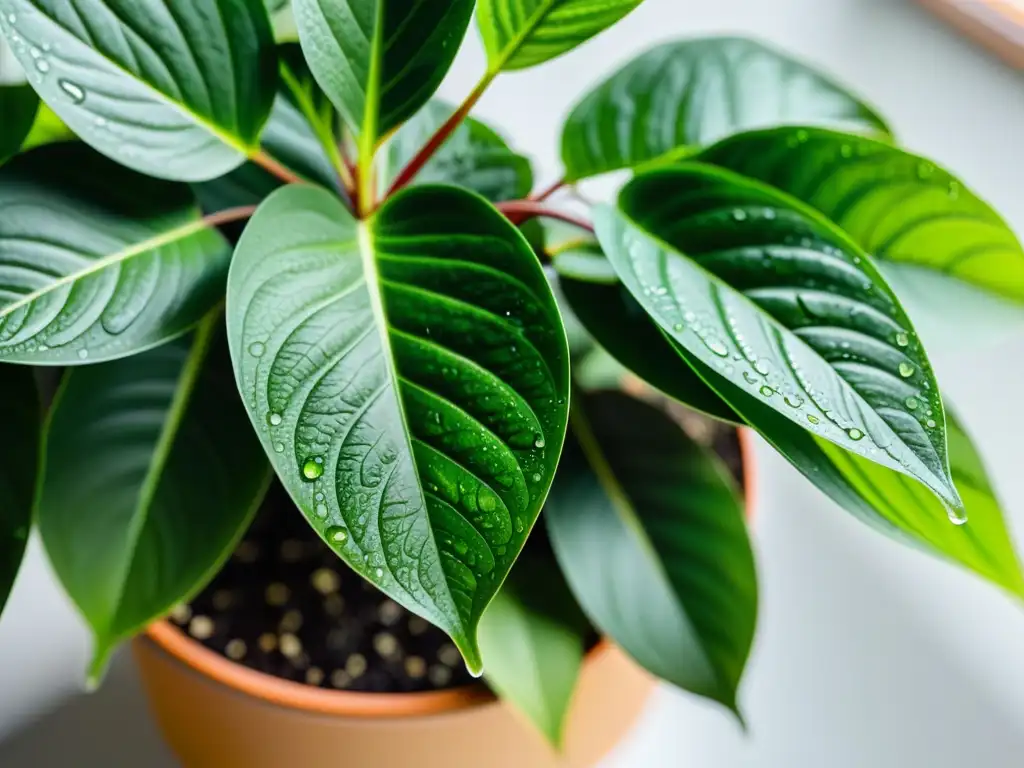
{"type": "Point", "coordinates": [215, 713]}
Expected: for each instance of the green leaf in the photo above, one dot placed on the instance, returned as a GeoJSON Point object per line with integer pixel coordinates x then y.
{"type": "Point", "coordinates": [887, 500]}
{"type": "Point", "coordinates": [151, 476]}
{"type": "Point", "coordinates": [897, 206]}
{"type": "Point", "coordinates": [681, 96]}
{"type": "Point", "coordinates": [18, 105]}
{"type": "Point", "coordinates": [408, 377]}
{"type": "Point", "coordinates": [46, 129]}
{"type": "Point", "coordinates": [173, 89]}
{"type": "Point", "coordinates": [474, 157]}
{"type": "Point", "coordinates": [291, 141]}
{"type": "Point", "coordinates": [523, 33]}
{"type": "Point", "coordinates": [19, 457]}
{"type": "Point", "coordinates": [620, 325]}
{"type": "Point", "coordinates": [783, 305]}
{"type": "Point", "coordinates": [98, 262]}
{"type": "Point", "coordinates": [533, 638]}
{"type": "Point", "coordinates": [379, 61]}
{"type": "Point", "coordinates": [649, 530]}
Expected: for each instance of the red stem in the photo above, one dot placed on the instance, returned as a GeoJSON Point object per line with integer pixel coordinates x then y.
{"type": "Point", "coordinates": [229, 215]}
{"type": "Point", "coordinates": [268, 163]}
{"type": "Point", "coordinates": [440, 137]}
{"type": "Point", "coordinates": [519, 211]}
{"type": "Point", "coordinates": [547, 192]}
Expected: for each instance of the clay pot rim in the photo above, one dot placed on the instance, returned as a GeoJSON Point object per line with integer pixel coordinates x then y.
{"type": "Point", "coordinates": [307, 698]}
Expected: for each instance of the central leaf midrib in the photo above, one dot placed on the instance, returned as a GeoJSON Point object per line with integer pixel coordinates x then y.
{"type": "Point", "coordinates": [367, 251]}
{"type": "Point", "coordinates": [516, 43]}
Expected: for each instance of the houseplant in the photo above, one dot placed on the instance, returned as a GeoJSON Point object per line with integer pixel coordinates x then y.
{"type": "Point", "coordinates": [398, 348]}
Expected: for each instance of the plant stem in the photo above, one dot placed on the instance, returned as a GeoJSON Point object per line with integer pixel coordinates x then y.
{"type": "Point", "coordinates": [269, 164]}
{"type": "Point", "coordinates": [441, 135]}
{"type": "Point", "coordinates": [229, 215]}
{"type": "Point", "coordinates": [519, 211]}
{"type": "Point", "coordinates": [547, 192]}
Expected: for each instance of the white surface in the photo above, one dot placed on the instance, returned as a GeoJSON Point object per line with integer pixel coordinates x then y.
{"type": "Point", "coordinates": [868, 654]}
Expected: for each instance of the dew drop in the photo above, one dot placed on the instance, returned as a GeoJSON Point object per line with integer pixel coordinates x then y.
{"type": "Point", "coordinates": [257, 348]}
{"type": "Point", "coordinates": [767, 391]}
{"type": "Point", "coordinates": [906, 370]}
{"type": "Point", "coordinates": [312, 468]}
{"type": "Point", "coordinates": [12, 18]}
{"type": "Point", "coordinates": [461, 547]}
{"type": "Point", "coordinates": [83, 354]}
{"type": "Point", "coordinates": [274, 419]}
{"type": "Point", "coordinates": [337, 534]}
{"type": "Point", "coordinates": [43, 66]}
{"type": "Point", "coordinates": [813, 419]}
{"type": "Point", "coordinates": [930, 424]}
{"type": "Point", "coordinates": [321, 511]}
{"type": "Point", "coordinates": [678, 327]}
{"type": "Point", "coordinates": [911, 403]}
{"type": "Point", "coordinates": [536, 477]}
{"type": "Point", "coordinates": [739, 215]}
{"type": "Point", "coordinates": [279, 447]}
{"type": "Point", "coordinates": [793, 401]}
{"type": "Point", "coordinates": [73, 90]}
{"type": "Point", "coordinates": [768, 213]}
{"type": "Point", "coordinates": [957, 516]}
{"type": "Point", "coordinates": [519, 525]}
{"type": "Point", "coordinates": [902, 339]}
{"type": "Point", "coordinates": [761, 367]}
{"type": "Point", "coordinates": [539, 442]}
{"type": "Point", "coordinates": [379, 573]}
{"type": "Point", "coordinates": [855, 434]}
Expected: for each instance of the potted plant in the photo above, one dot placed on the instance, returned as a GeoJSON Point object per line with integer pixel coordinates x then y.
{"type": "Point", "coordinates": [249, 261]}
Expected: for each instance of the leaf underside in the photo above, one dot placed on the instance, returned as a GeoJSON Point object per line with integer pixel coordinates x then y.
{"type": "Point", "coordinates": [781, 304]}
{"type": "Point", "coordinates": [681, 96]}
{"type": "Point", "coordinates": [649, 530]}
{"type": "Point", "coordinates": [151, 476]}
{"type": "Point", "coordinates": [408, 378]}
{"type": "Point", "coordinates": [98, 262]}
{"type": "Point", "coordinates": [176, 89]}
{"type": "Point", "coordinates": [897, 206]}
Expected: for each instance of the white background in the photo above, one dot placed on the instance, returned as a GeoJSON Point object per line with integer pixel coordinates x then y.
{"type": "Point", "coordinates": [867, 654]}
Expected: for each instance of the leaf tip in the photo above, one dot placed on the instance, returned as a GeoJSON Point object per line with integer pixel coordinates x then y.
{"type": "Point", "coordinates": [469, 648]}
{"type": "Point", "coordinates": [98, 666]}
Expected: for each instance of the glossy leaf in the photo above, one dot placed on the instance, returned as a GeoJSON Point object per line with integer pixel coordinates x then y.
{"type": "Point", "coordinates": [684, 95]}
{"type": "Point", "coordinates": [783, 305]}
{"type": "Point", "coordinates": [897, 206]}
{"type": "Point", "coordinates": [152, 473]}
{"type": "Point", "coordinates": [379, 61]}
{"type": "Point", "coordinates": [98, 262]}
{"type": "Point", "coordinates": [615, 320]}
{"type": "Point", "coordinates": [474, 157]}
{"type": "Point", "coordinates": [887, 500]}
{"type": "Point", "coordinates": [649, 530]}
{"type": "Point", "coordinates": [408, 377]}
{"type": "Point", "coordinates": [524, 33]}
{"type": "Point", "coordinates": [174, 89]}
{"type": "Point", "coordinates": [532, 638]}
{"type": "Point", "coordinates": [19, 464]}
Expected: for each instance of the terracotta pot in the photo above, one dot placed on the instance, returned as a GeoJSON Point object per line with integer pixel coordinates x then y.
{"type": "Point", "coordinates": [215, 713]}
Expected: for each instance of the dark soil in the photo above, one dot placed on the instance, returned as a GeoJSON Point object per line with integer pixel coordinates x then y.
{"type": "Point", "coordinates": [285, 604]}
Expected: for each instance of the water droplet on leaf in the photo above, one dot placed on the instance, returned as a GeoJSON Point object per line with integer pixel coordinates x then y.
{"type": "Point", "coordinates": [855, 434]}
{"type": "Point", "coordinates": [902, 339]}
{"type": "Point", "coordinates": [73, 90]}
{"type": "Point", "coordinates": [257, 348]}
{"type": "Point", "coordinates": [274, 419]}
{"type": "Point", "coordinates": [312, 468]}
{"type": "Point", "coordinates": [906, 370]}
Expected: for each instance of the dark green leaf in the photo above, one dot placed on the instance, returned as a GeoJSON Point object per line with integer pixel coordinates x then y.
{"type": "Point", "coordinates": [98, 261]}
{"type": "Point", "coordinates": [408, 377]}
{"type": "Point", "coordinates": [897, 206]}
{"type": "Point", "coordinates": [474, 157]}
{"type": "Point", "coordinates": [273, 6]}
{"type": "Point", "coordinates": [289, 138]}
{"type": "Point", "coordinates": [175, 89]}
{"type": "Point", "coordinates": [779, 302]}
{"type": "Point", "coordinates": [681, 96]}
{"type": "Point", "coordinates": [19, 457]}
{"type": "Point", "coordinates": [379, 61]}
{"type": "Point", "coordinates": [152, 473]}
{"type": "Point", "coordinates": [649, 530]}
{"type": "Point", "coordinates": [46, 129]}
{"type": "Point", "coordinates": [887, 500]}
{"type": "Point", "coordinates": [523, 33]}
{"type": "Point", "coordinates": [532, 639]}
{"type": "Point", "coordinates": [18, 105]}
